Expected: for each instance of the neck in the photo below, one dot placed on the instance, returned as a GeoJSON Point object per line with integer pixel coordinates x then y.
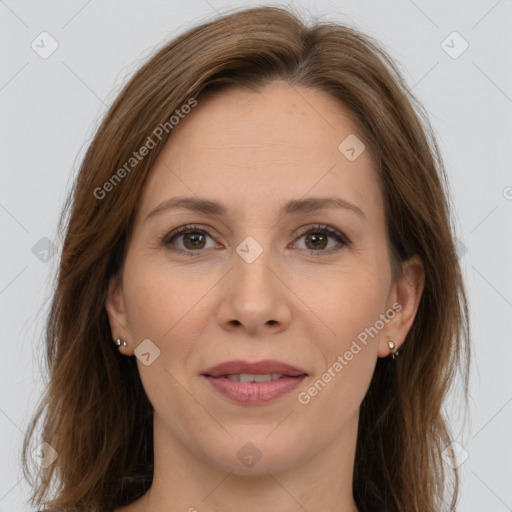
{"type": "Point", "coordinates": [186, 481]}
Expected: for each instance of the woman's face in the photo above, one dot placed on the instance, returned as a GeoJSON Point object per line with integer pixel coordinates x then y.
{"type": "Point", "coordinates": [255, 280]}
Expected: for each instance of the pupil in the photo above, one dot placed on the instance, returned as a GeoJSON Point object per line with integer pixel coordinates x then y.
{"type": "Point", "coordinates": [195, 238]}
{"type": "Point", "coordinates": [315, 239]}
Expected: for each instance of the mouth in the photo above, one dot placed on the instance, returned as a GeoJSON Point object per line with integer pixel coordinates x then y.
{"type": "Point", "coordinates": [254, 383]}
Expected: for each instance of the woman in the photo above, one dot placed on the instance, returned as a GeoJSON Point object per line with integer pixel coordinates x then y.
{"type": "Point", "coordinates": [259, 303]}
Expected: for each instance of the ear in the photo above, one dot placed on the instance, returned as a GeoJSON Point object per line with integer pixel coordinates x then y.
{"type": "Point", "coordinates": [405, 296]}
{"type": "Point", "coordinates": [116, 312]}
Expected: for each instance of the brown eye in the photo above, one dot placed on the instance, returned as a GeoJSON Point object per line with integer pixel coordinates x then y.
{"type": "Point", "coordinates": [187, 240]}
{"type": "Point", "coordinates": [317, 239]}
{"type": "Point", "coordinates": [193, 240]}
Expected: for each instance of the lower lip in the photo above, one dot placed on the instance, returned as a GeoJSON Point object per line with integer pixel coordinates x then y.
{"type": "Point", "coordinates": [254, 393]}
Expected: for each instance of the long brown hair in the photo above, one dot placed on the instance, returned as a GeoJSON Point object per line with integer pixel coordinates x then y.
{"type": "Point", "coordinates": [95, 413]}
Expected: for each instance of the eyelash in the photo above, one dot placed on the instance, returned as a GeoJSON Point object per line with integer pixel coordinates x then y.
{"type": "Point", "coordinates": [318, 228]}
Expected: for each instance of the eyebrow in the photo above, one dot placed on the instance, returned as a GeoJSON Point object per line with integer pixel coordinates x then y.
{"type": "Point", "coordinates": [293, 207]}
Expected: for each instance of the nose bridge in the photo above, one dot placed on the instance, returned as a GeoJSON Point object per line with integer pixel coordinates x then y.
{"type": "Point", "coordinates": [255, 296]}
{"type": "Point", "coordinates": [253, 262]}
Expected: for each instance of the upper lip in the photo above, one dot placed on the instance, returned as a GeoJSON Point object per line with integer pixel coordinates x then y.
{"type": "Point", "coordinates": [257, 368]}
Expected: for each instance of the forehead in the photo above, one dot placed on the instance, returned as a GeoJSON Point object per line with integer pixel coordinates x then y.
{"type": "Point", "coordinates": [244, 148]}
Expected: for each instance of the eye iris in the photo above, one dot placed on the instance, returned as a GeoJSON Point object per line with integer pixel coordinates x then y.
{"type": "Point", "coordinates": [196, 239]}
{"type": "Point", "coordinates": [315, 238]}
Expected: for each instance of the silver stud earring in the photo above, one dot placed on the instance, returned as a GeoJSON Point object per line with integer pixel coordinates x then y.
{"type": "Point", "coordinates": [120, 342]}
{"type": "Point", "coordinates": [392, 347]}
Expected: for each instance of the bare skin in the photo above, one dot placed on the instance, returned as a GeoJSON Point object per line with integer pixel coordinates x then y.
{"type": "Point", "coordinates": [303, 300]}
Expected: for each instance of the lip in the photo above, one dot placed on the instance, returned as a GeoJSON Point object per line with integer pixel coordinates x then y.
{"type": "Point", "coordinates": [258, 367]}
{"type": "Point", "coordinates": [254, 393]}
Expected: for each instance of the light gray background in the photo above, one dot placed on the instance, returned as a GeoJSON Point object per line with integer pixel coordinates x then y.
{"type": "Point", "coordinates": [51, 106]}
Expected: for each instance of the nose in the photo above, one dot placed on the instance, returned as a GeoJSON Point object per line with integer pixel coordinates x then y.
{"type": "Point", "coordinates": [255, 297]}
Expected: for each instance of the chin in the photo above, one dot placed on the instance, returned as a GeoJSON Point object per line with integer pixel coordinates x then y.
{"type": "Point", "coordinates": [255, 453]}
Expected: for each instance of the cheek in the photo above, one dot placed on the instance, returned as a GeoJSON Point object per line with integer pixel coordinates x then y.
{"type": "Point", "coordinates": [351, 309]}
{"type": "Point", "coordinates": [350, 356]}
{"type": "Point", "coordinates": [164, 305]}
{"type": "Point", "coordinates": [161, 300]}
{"type": "Point", "coordinates": [347, 305]}
{"type": "Point", "coordinates": [168, 306]}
